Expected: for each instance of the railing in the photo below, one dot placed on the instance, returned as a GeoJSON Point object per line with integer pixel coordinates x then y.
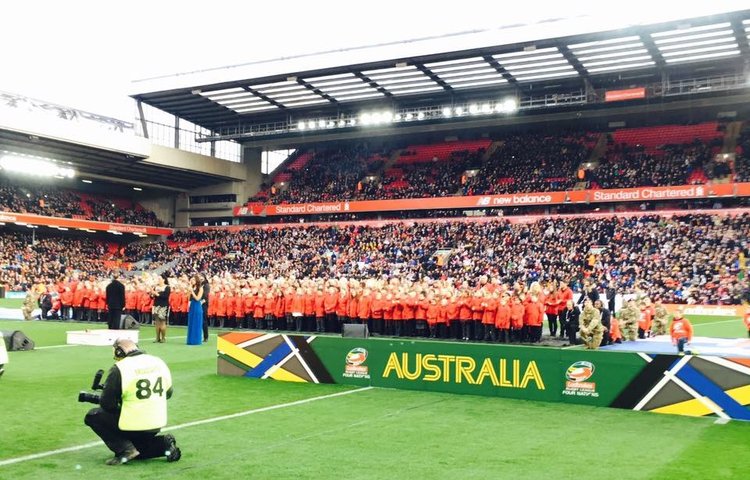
{"type": "Point", "coordinates": [692, 86]}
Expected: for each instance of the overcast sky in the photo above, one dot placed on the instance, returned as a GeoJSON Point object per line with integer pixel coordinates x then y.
{"type": "Point", "coordinates": [86, 53]}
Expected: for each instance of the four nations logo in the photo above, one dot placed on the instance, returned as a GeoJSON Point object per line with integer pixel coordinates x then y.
{"type": "Point", "coordinates": [576, 383]}
{"type": "Point", "coordinates": [355, 367]}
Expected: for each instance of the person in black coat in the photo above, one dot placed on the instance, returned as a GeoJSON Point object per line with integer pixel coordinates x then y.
{"type": "Point", "coordinates": [115, 294]}
{"type": "Point", "coordinates": [573, 314]}
{"type": "Point", "coordinates": [611, 293]}
{"type": "Point", "coordinates": [606, 322]}
{"type": "Point", "coordinates": [589, 291]}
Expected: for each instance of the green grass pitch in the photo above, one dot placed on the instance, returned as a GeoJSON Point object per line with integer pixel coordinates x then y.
{"type": "Point", "coordinates": [368, 434]}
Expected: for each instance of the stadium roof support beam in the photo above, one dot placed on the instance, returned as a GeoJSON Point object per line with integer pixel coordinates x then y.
{"type": "Point", "coordinates": [648, 42]}
{"type": "Point", "coordinates": [576, 64]}
{"type": "Point", "coordinates": [264, 97]}
{"type": "Point", "coordinates": [741, 36]}
{"type": "Point", "coordinates": [502, 71]}
{"type": "Point", "coordinates": [317, 91]}
{"type": "Point", "coordinates": [433, 77]}
{"type": "Point", "coordinates": [142, 117]}
{"type": "Point", "coordinates": [373, 84]}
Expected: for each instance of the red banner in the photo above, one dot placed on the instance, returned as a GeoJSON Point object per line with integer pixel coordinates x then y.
{"type": "Point", "coordinates": [55, 222]}
{"type": "Point", "coordinates": [494, 201]}
{"type": "Point", "coordinates": [620, 95]}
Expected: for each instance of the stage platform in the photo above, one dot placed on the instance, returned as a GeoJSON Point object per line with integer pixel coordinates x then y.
{"type": "Point", "coordinates": [662, 344]}
{"type": "Point", "coordinates": [99, 337]}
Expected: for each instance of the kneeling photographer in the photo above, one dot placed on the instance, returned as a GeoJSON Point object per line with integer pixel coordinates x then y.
{"type": "Point", "coordinates": [133, 406]}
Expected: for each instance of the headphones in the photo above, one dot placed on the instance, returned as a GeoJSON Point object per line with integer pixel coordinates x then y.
{"type": "Point", "coordinates": [119, 352]}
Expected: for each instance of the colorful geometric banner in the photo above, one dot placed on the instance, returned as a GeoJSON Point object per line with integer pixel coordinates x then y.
{"type": "Point", "coordinates": [684, 385]}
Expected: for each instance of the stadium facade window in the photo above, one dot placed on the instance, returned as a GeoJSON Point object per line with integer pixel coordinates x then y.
{"type": "Point", "coordinates": [271, 159]}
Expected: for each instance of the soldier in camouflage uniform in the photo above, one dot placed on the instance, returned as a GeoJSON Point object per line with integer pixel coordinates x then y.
{"type": "Point", "coordinates": [30, 303]}
{"type": "Point", "coordinates": [628, 318]}
{"type": "Point", "coordinates": [660, 319]}
{"type": "Point", "coordinates": [591, 326]}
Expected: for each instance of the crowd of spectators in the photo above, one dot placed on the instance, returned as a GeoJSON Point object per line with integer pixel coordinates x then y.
{"type": "Point", "coordinates": [107, 210]}
{"type": "Point", "coordinates": [25, 260]}
{"type": "Point", "coordinates": [531, 163]}
{"type": "Point", "coordinates": [330, 175]}
{"type": "Point", "coordinates": [53, 201]}
{"type": "Point", "coordinates": [688, 258]}
{"type": "Point", "coordinates": [626, 166]}
{"type": "Point", "coordinates": [691, 258]}
{"type": "Point", "coordinates": [40, 200]}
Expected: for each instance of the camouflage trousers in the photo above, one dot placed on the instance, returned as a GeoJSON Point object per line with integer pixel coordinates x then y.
{"type": "Point", "coordinates": [26, 310]}
{"type": "Point", "coordinates": [592, 341]}
{"type": "Point", "coordinates": [630, 331]}
{"type": "Point", "coordinates": [659, 327]}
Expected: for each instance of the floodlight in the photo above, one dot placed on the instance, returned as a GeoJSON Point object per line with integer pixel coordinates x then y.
{"type": "Point", "coordinates": [473, 109]}
{"type": "Point", "coordinates": [301, 125]}
{"type": "Point", "coordinates": [31, 165]}
{"type": "Point", "coordinates": [420, 116]}
{"type": "Point", "coordinates": [447, 112]}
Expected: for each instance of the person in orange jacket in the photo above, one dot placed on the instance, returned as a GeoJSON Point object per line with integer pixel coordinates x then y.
{"type": "Point", "coordinates": [298, 308]}
{"type": "Point", "coordinates": [502, 320]}
{"type": "Point", "coordinates": [747, 320]}
{"type": "Point", "coordinates": [534, 318]}
{"type": "Point", "coordinates": [364, 307]}
{"type": "Point", "coordinates": [489, 311]}
{"type": "Point", "coordinates": [309, 321]}
{"type": "Point", "coordinates": [551, 308]}
{"type": "Point", "coordinates": [376, 312]}
{"type": "Point", "coordinates": [408, 312]}
{"type": "Point", "coordinates": [646, 318]}
{"type": "Point", "coordinates": [355, 296]}
{"type": "Point", "coordinates": [516, 318]}
{"type": "Point", "coordinates": [259, 309]}
{"type": "Point", "coordinates": [453, 311]}
{"type": "Point", "coordinates": [330, 302]}
{"type": "Point", "coordinates": [477, 311]}
{"type": "Point", "coordinates": [78, 295]}
{"type": "Point", "coordinates": [464, 314]}
{"type": "Point", "coordinates": [420, 315]}
{"type": "Point", "coordinates": [320, 310]}
{"type": "Point", "coordinates": [681, 331]}
{"type": "Point", "coordinates": [614, 334]}
{"type": "Point", "coordinates": [66, 299]}
{"type": "Point", "coordinates": [432, 313]}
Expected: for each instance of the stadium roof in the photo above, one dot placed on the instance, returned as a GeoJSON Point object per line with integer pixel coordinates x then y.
{"type": "Point", "coordinates": [477, 67]}
{"type": "Point", "coordinates": [97, 163]}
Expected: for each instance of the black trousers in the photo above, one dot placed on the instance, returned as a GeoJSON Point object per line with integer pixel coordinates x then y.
{"type": "Point", "coordinates": [113, 320]}
{"type": "Point", "coordinates": [104, 424]}
{"type": "Point", "coordinates": [205, 321]}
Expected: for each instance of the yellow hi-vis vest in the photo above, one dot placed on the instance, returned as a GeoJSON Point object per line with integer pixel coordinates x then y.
{"type": "Point", "coordinates": [145, 381]}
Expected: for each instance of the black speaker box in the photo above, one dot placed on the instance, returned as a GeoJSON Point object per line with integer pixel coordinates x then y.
{"type": "Point", "coordinates": [355, 330]}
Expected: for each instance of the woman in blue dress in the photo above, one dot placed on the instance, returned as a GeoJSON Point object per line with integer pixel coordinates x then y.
{"type": "Point", "coordinates": [195, 312]}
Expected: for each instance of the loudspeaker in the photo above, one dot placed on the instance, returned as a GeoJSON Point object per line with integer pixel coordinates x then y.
{"type": "Point", "coordinates": [17, 340]}
{"type": "Point", "coordinates": [128, 323]}
{"type": "Point", "coordinates": [355, 330]}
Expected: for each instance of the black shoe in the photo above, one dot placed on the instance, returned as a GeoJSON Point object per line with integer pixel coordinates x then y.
{"type": "Point", "coordinates": [2, 370]}
{"type": "Point", "coordinates": [123, 457]}
{"type": "Point", "coordinates": [173, 452]}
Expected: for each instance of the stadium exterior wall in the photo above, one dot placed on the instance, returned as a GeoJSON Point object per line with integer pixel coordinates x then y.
{"type": "Point", "coordinates": [689, 385]}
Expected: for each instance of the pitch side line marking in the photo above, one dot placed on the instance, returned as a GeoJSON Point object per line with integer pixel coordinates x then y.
{"type": "Point", "coordinates": [84, 446]}
{"type": "Point", "coordinates": [76, 345]}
